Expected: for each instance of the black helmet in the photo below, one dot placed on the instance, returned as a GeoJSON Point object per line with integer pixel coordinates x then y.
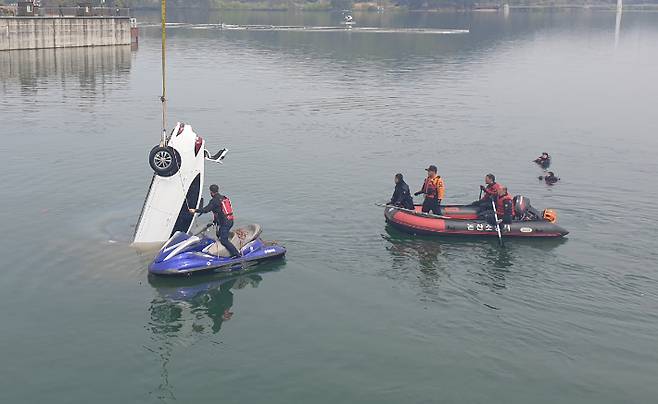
{"type": "Point", "coordinates": [214, 188]}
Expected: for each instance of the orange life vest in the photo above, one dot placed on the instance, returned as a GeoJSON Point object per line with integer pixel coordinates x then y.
{"type": "Point", "coordinates": [433, 188]}
{"type": "Point", "coordinates": [500, 204]}
{"type": "Point", "coordinates": [491, 190]}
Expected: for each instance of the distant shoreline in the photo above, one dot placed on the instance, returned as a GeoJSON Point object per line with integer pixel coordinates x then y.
{"type": "Point", "coordinates": [233, 6]}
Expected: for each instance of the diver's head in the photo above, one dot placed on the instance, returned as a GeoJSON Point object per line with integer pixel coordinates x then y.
{"type": "Point", "coordinates": [398, 178]}
{"type": "Point", "coordinates": [214, 189]}
{"type": "Point", "coordinates": [490, 178]}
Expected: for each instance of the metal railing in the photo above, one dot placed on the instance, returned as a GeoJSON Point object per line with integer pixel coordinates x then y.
{"type": "Point", "coordinates": [83, 11]}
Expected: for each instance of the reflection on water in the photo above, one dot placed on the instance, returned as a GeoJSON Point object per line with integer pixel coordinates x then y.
{"type": "Point", "coordinates": [342, 111]}
{"type": "Point", "coordinates": [402, 248]}
{"type": "Point", "coordinates": [89, 64]}
{"type": "Point", "coordinates": [433, 257]}
{"type": "Point", "coordinates": [194, 306]}
{"type": "Point", "coordinates": [618, 24]}
{"type": "Point", "coordinates": [186, 309]}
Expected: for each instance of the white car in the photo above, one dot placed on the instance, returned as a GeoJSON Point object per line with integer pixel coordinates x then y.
{"type": "Point", "coordinates": [178, 164]}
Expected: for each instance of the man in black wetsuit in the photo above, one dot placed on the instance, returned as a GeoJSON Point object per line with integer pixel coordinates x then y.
{"type": "Point", "coordinates": [222, 211]}
{"type": "Point", "coordinates": [544, 160]}
{"type": "Point", "coordinates": [550, 178]}
{"type": "Point", "coordinates": [401, 196]}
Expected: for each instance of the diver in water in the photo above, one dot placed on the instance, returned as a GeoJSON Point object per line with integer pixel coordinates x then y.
{"type": "Point", "coordinates": [401, 196]}
{"type": "Point", "coordinates": [544, 160]}
{"type": "Point", "coordinates": [434, 189]}
{"type": "Point", "coordinates": [222, 211]}
{"type": "Point", "coordinates": [550, 178]}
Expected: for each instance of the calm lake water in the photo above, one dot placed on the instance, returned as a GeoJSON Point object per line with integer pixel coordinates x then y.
{"type": "Point", "coordinates": [318, 124]}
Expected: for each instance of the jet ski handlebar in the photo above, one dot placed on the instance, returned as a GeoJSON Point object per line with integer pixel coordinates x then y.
{"type": "Point", "coordinates": [206, 227]}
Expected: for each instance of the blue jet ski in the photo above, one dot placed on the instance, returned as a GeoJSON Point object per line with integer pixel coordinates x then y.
{"type": "Point", "coordinates": [184, 254]}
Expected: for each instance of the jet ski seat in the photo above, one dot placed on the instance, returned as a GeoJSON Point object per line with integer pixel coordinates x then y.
{"type": "Point", "coordinates": [239, 237]}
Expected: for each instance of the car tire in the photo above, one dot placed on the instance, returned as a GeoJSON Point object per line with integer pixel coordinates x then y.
{"type": "Point", "coordinates": [165, 161]}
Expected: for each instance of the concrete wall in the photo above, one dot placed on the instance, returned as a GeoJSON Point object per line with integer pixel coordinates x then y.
{"type": "Point", "coordinates": [62, 32]}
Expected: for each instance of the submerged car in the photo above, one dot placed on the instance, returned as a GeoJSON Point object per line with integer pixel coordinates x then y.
{"type": "Point", "coordinates": [178, 164]}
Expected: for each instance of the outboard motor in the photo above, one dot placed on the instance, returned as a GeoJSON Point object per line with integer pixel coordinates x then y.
{"type": "Point", "coordinates": [524, 211]}
{"type": "Point", "coordinates": [521, 205]}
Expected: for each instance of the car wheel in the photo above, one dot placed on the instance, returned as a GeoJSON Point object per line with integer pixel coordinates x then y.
{"type": "Point", "coordinates": [165, 161]}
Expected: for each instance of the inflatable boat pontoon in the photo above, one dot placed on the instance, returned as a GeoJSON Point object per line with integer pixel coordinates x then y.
{"type": "Point", "coordinates": [466, 223]}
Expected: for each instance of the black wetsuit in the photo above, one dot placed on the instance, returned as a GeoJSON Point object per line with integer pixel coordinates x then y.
{"type": "Point", "coordinates": [544, 162]}
{"type": "Point", "coordinates": [223, 223]}
{"type": "Point", "coordinates": [551, 179]}
{"type": "Point", "coordinates": [402, 196]}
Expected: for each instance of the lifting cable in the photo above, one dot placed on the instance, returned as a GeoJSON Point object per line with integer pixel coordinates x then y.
{"type": "Point", "coordinates": [163, 97]}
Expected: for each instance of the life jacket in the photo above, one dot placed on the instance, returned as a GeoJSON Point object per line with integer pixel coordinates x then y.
{"type": "Point", "coordinates": [227, 209]}
{"type": "Point", "coordinates": [491, 190]}
{"type": "Point", "coordinates": [549, 215]}
{"type": "Point", "coordinates": [433, 188]}
{"type": "Point", "coordinates": [500, 204]}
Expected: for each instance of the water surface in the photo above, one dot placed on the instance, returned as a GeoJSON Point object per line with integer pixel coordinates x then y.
{"type": "Point", "coordinates": [318, 124]}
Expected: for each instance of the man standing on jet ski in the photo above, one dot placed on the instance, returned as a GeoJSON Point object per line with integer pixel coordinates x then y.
{"type": "Point", "coordinates": [222, 211]}
{"type": "Point", "coordinates": [434, 190]}
{"type": "Point", "coordinates": [401, 196]}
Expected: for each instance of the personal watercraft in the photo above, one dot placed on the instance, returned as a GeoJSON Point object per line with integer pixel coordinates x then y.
{"type": "Point", "coordinates": [462, 220]}
{"type": "Point", "coordinates": [184, 254]}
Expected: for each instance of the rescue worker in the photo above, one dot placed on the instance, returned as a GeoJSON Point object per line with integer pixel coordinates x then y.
{"type": "Point", "coordinates": [544, 160]}
{"type": "Point", "coordinates": [434, 190]}
{"type": "Point", "coordinates": [401, 196]}
{"type": "Point", "coordinates": [222, 211]}
{"type": "Point", "coordinates": [550, 178]}
{"type": "Point", "coordinates": [504, 208]}
{"type": "Point", "coordinates": [488, 192]}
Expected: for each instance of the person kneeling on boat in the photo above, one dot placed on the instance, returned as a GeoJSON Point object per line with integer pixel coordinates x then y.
{"type": "Point", "coordinates": [489, 192]}
{"type": "Point", "coordinates": [222, 211]}
{"type": "Point", "coordinates": [434, 190]}
{"type": "Point", "coordinates": [401, 196]}
{"type": "Point", "coordinates": [504, 208]}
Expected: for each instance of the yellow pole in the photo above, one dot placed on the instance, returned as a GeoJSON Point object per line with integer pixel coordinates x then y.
{"type": "Point", "coordinates": [164, 89]}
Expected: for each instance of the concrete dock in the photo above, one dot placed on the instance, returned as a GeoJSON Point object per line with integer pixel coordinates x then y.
{"type": "Point", "coordinates": [63, 32]}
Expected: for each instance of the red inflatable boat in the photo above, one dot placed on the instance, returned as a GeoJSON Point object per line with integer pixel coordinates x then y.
{"type": "Point", "coordinates": [462, 220]}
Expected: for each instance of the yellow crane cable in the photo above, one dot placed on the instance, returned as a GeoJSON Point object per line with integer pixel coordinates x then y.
{"type": "Point", "coordinates": [164, 89]}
